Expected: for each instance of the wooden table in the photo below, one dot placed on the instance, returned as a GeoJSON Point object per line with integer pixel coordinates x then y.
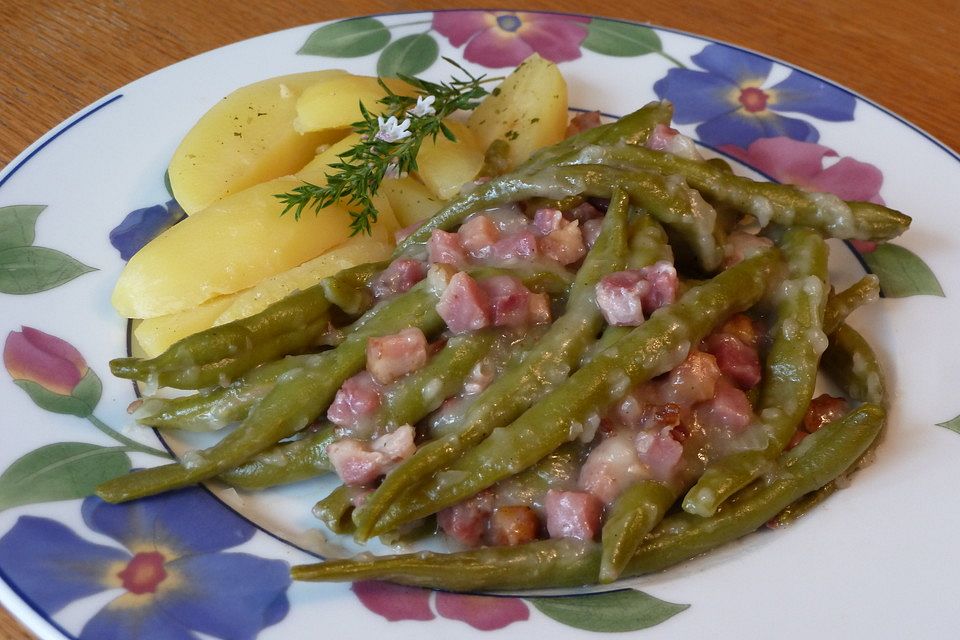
{"type": "Point", "coordinates": [60, 56]}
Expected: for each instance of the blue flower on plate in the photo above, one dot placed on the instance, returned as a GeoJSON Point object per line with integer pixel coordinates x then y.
{"type": "Point", "coordinates": [169, 571]}
{"type": "Point", "coordinates": [732, 104]}
{"type": "Point", "coordinates": [140, 226]}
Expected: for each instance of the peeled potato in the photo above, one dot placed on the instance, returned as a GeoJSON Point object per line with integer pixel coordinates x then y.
{"type": "Point", "coordinates": [529, 111]}
{"type": "Point", "coordinates": [445, 166]}
{"type": "Point", "coordinates": [231, 245]}
{"type": "Point", "coordinates": [154, 335]}
{"type": "Point", "coordinates": [410, 200]}
{"type": "Point", "coordinates": [358, 250]}
{"type": "Point", "coordinates": [245, 139]}
{"type": "Point", "coordinates": [334, 102]}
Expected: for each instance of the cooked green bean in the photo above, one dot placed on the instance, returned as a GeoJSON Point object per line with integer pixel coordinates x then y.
{"type": "Point", "coordinates": [220, 354]}
{"type": "Point", "coordinates": [567, 562]}
{"type": "Point", "coordinates": [550, 360]}
{"type": "Point", "coordinates": [790, 374]}
{"type": "Point", "coordinates": [634, 514]}
{"type": "Point", "coordinates": [655, 347]}
{"type": "Point", "coordinates": [289, 407]}
{"type": "Point", "coordinates": [405, 402]}
{"type": "Point", "coordinates": [517, 185]}
{"type": "Point", "coordinates": [842, 304]}
{"type": "Point", "coordinates": [334, 510]}
{"type": "Point", "coordinates": [767, 201]}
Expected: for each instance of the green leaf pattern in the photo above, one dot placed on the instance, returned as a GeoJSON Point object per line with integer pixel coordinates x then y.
{"type": "Point", "coordinates": [615, 611]}
{"type": "Point", "coordinates": [902, 273]}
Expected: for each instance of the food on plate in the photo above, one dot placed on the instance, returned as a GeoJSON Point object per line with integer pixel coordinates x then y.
{"type": "Point", "coordinates": [596, 364]}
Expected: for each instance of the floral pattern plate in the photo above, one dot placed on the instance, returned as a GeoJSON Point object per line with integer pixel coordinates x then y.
{"type": "Point", "coordinates": [876, 560]}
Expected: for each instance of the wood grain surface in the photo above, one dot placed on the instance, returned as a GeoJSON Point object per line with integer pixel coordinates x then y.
{"type": "Point", "coordinates": [59, 57]}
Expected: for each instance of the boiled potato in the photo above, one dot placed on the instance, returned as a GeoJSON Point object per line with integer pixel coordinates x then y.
{"type": "Point", "coordinates": [334, 102]}
{"type": "Point", "coordinates": [231, 245]}
{"type": "Point", "coordinates": [154, 335]}
{"type": "Point", "coordinates": [358, 250]}
{"type": "Point", "coordinates": [410, 200]}
{"type": "Point", "coordinates": [245, 139]}
{"type": "Point", "coordinates": [444, 166]}
{"type": "Point", "coordinates": [529, 111]}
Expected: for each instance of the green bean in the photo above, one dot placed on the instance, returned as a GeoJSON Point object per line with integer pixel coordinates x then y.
{"type": "Point", "coordinates": [518, 387]}
{"type": "Point", "coordinates": [789, 379]}
{"type": "Point", "coordinates": [220, 354]}
{"type": "Point", "coordinates": [634, 514]}
{"type": "Point", "coordinates": [407, 401]}
{"type": "Point", "coordinates": [785, 204]}
{"type": "Point", "coordinates": [298, 398]}
{"type": "Point", "coordinates": [334, 510]}
{"type": "Point", "coordinates": [517, 185]}
{"type": "Point", "coordinates": [850, 362]}
{"type": "Point", "coordinates": [568, 562]}
{"type": "Point", "coordinates": [842, 304]}
{"type": "Point", "coordinates": [655, 347]}
{"type": "Point", "coordinates": [690, 221]}
{"type": "Point", "coordinates": [216, 407]}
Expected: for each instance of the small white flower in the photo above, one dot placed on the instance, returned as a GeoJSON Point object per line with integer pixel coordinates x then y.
{"type": "Point", "coordinates": [391, 130]}
{"type": "Point", "coordinates": [393, 170]}
{"type": "Point", "coordinates": [424, 107]}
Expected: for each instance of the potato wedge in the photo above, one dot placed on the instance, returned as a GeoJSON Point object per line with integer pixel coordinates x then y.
{"type": "Point", "coordinates": [529, 111]}
{"type": "Point", "coordinates": [245, 139]}
{"type": "Point", "coordinates": [410, 200]}
{"type": "Point", "coordinates": [444, 166]}
{"type": "Point", "coordinates": [334, 102]}
{"type": "Point", "coordinates": [231, 245]}
{"type": "Point", "coordinates": [357, 250]}
{"type": "Point", "coordinates": [155, 335]}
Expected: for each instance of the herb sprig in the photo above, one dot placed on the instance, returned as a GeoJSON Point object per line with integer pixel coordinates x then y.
{"type": "Point", "coordinates": [389, 144]}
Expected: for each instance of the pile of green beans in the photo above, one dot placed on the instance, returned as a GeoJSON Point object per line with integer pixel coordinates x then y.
{"type": "Point", "coordinates": [276, 373]}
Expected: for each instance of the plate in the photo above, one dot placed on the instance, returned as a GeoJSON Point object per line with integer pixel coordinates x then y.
{"type": "Point", "coordinates": [876, 560]}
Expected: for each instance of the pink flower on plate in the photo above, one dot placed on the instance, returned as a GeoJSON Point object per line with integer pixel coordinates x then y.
{"type": "Point", "coordinates": [507, 38]}
{"type": "Point", "coordinates": [396, 602]}
{"type": "Point", "coordinates": [802, 163]}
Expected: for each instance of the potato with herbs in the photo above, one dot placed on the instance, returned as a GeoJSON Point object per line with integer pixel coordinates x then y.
{"type": "Point", "coordinates": [245, 139]}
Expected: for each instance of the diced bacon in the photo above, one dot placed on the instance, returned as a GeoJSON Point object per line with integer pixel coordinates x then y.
{"type": "Point", "coordinates": [659, 451]}
{"type": "Point", "coordinates": [478, 235]}
{"type": "Point", "coordinates": [822, 410]}
{"type": "Point", "coordinates": [632, 412]}
{"type": "Point", "coordinates": [547, 220]}
{"type": "Point", "coordinates": [565, 245]}
{"type": "Point", "coordinates": [736, 360]}
{"type": "Point", "coordinates": [665, 138]}
{"type": "Point", "coordinates": [620, 297]}
{"type": "Point", "coordinates": [693, 380]}
{"type": "Point", "coordinates": [355, 463]}
{"type": "Point", "coordinates": [664, 283]}
{"type": "Point", "coordinates": [466, 522]}
{"type": "Point", "coordinates": [744, 328]}
{"type": "Point", "coordinates": [463, 305]}
{"type": "Point", "coordinates": [399, 277]}
{"type": "Point", "coordinates": [741, 246]}
{"type": "Point", "coordinates": [397, 445]}
{"type": "Point", "coordinates": [583, 122]}
{"type": "Point", "coordinates": [509, 301]}
{"type": "Point", "coordinates": [513, 525]}
{"type": "Point", "coordinates": [591, 231]}
{"type": "Point", "coordinates": [391, 357]}
{"type": "Point", "coordinates": [729, 410]}
{"type": "Point", "coordinates": [508, 218]}
{"type": "Point", "coordinates": [512, 247]}
{"type": "Point", "coordinates": [356, 400]}
{"type": "Point", "coordinates": [583, 212]}
{"type": "Point", "coordinates": [573, 514]}
{"type": "Point", "coordinates": [444, 247]}
{"type": "Point", "coordinates": [610, 468]}
{"type": "Point", "coordinates": [539, 308]}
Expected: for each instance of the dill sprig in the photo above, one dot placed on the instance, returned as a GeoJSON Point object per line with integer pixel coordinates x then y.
{"type": "Point", "coordinates": [389, 145]}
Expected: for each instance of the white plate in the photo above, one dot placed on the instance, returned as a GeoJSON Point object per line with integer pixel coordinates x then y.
{"type": "Point", "coordinates": [877, 560]}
